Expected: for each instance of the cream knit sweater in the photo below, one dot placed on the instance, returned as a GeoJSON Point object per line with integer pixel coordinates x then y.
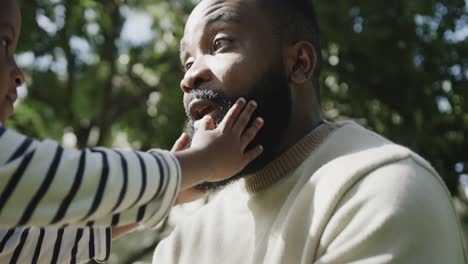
{"type": "Point", "coordinates": [341, 195]}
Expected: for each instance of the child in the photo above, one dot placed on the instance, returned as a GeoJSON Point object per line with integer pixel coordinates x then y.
{"type": "Point", "coordinates": [80, 194]}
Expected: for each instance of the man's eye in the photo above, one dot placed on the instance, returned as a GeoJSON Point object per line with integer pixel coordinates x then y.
{"type": "Point", "coordinates": [5, 42]}
{"type": "Point", "coordinates": [221, 43]}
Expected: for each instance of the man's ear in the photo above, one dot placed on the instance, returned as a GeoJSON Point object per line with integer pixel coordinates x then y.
{"type": "Point", "coordinates": [301, 61]}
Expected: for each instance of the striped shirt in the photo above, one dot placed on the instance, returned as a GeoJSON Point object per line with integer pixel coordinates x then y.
{"type": "Point", "coordinates": [53, 245]}
{"type": "Point", "coordinates": [80, 193]}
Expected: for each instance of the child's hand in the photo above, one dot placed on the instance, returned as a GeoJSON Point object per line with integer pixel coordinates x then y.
{"type": "Point", "coordinates": [224, 148]}
{"type": "Point", "coordinates": [193, 193]}
{"type": "Point", "coordinates": [218, 154]}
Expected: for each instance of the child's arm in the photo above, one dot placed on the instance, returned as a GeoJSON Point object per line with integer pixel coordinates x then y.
{"type": "Point", "coordinates": [78, 245]}
{"type": "Point", "coordinates": [43, 184]}
{"type": "Point", "coordinates": [54, 245]}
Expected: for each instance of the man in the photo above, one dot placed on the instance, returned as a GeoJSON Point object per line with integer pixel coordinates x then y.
{"type": "Point", "coordinates": [58, 205]}
{"type": "Point", "coordinates": [322, 192]}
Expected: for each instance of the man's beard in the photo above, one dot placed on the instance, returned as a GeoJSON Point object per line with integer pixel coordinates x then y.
{"type": "Point", "coordinates": [273, 96]}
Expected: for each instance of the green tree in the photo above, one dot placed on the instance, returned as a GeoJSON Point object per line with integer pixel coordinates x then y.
{"type": "Point", "coordinates": [400, 68]}
{"type": "Point", "coordinates": [84, 77]}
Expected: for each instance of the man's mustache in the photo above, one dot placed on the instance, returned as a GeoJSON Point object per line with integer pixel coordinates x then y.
{"type": "Point", "coordinates": [215, 96]}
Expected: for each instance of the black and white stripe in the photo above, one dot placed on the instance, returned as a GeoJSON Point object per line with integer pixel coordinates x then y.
{"type": "Point", "coordinates": [42, 189]}
{"type": "Point", "coordinates": [143, 179]}
{"type": "Point", "coordinates": [74, 252]}
{"type": "Point", "coordinates": [57, 245]}
{"type": "Point", "coordinates": [14, 180]}
{"type": "Point", "coordinates": [81, 193]}
{"type": "Point", "coordinates": [19, 248]}
{"type": "Point", "coordinates": [74, 189]}
{"type": "Point", "coordinates": [123, 191]}
{"type": "Point", "coordinates": [102, 184]}
{"type": "Point", "coordinates": [37, 250]}
{"type": "Point", "coordinates": [46, 169]}
{"type": "Point", "coordinates": [21, 150]}
{"type": "Point", "coordinates": [161, 171]}
{"type": "Point", "coordinates": [7, 234]}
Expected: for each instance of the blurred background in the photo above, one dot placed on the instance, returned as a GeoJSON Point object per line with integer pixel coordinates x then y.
{"type": "Point", "coordinates": [108, 73]}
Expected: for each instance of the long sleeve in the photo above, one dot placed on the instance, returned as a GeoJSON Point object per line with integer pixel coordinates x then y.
{"type": "Point", "coordinates": [54, 245]}
{"type": "Point", "coordinates": [44, 184]}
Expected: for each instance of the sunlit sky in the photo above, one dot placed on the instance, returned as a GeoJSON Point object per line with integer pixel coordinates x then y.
{"type": "Point", "coordinates": [137, 28]}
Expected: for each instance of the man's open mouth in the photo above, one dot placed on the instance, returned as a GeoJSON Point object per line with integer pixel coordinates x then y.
{"type": "Point", "coordinates": [199, 108]}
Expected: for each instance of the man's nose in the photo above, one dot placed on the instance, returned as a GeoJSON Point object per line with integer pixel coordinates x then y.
{"type": "Point", "coordinates": [198, 74]}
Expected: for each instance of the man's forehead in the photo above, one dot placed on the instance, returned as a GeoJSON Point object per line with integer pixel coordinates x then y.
{"type": "Point", "coordinates": [214, 11]}
{"type": "Point", "coordinates": [209, 11]}
{"type": "Point", "coordinates": [222, 15]}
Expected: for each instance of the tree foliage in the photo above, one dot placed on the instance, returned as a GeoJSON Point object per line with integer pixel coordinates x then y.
{"type": "Point", "coordinates": [398, 67]}
{"type": "Point", "coordinates": [86, 78]}
{"type": "Point", "coordinates": [401, 68]}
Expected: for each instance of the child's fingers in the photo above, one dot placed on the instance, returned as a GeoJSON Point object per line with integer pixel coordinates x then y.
{"type": "Point", "coordinates": [206, 123]}
{"type": "Point", "coordinates": [232, 114]}
{"type": "Point", "coordinates": [251, 132]}
{"type": "Point", "coordinates": [244, 117]}
{"type": "Point", "coordinates": [252, 154]}
{"type": "Point", "coordinates": [181, 143]}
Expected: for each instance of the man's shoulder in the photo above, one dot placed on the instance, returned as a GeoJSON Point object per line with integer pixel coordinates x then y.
{"type": "Point", "coordinates": [353, 154]}
{"type": "Point", "coordinates": [352, 145]}
{"type": "Point", "coordinates": [353, 151]}
{"type": "Point", "coordinates": [403, 196]}
{"type": "Point", "coordinates": [351, 136]}
{"type": "Point", "coordinates": [366, 174]}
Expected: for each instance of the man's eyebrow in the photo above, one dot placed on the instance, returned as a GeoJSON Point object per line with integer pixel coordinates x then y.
{"type": "Point", "coordinates": [226, 16]}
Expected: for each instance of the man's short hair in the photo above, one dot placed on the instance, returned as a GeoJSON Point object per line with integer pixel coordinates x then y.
{"type": "Point", "coordinates": [293, 21]}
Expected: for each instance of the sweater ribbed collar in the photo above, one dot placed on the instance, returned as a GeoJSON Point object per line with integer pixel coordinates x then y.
{"type": "Point", "coordinates": [289, 160]}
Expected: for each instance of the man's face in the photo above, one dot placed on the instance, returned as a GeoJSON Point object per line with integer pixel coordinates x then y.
{"type": "Point", "coordinates": [10, 76]}
{"type": "Point", "coordinates": [229, 51]}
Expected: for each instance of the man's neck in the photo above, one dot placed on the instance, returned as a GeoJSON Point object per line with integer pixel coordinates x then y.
{"type": "Point", "coordinates": [301, 124]}
{"type": "Point", "coordinates": [289, 159]}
